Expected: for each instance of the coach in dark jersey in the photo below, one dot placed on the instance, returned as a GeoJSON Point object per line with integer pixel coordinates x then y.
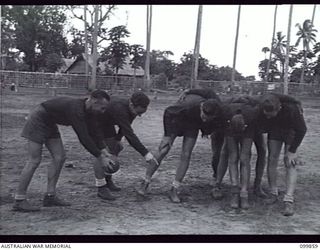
{"type": "Point", "coordinates": [184, 118]}
{"type": "Point", "coordinates": [283, 120]}
{"type": "Point", "coordinates": [41, 128]}
{"type": "Point", "coordinates": [121, 112]}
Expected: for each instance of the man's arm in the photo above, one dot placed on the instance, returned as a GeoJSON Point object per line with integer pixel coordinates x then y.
{"type": "Point", "coordinates": [300, 128]}
{"type": "Point", "coordinates": [123, 121]}
{"type": "Point", "coordinates": [79, 125]}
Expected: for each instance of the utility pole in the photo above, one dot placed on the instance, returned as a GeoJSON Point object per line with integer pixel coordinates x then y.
{"type": "Point", "coordinates": [196, 51]}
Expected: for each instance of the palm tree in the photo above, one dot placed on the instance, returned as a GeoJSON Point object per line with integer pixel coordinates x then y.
{"type": "Point", "coordinates": [279, 45]}
{"type": "Point", "coordinates": [307, 35]}
{"type": "Point", "coordinates": [95, 54]}
{"type": "Point", "coordinates": [313, 13]}
{"type": "Point", "coordinates": [196, 50]}
{"type": "Point", "coordinates": [273, 34]}
{"type": "Point", "coordinates": [86, 43]}
{"type": "Point", "coordinates": [236, 46]}
{"type": "Point", "coordinates": [265, 50]}
{"type": "Point", "coordinates": [285, 89]}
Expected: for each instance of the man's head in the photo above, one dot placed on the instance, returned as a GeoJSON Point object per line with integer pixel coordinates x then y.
{"type": "Point", "coordinates": [139, 103]}
{"type": "Point", "coordinates": [237, 124]}
{"type": "Point", "coordinates": [98, 101]}
{"type": "Point", "coordinates": [270, 105]}
{"type": "Point", "coordinates": [209, 110]}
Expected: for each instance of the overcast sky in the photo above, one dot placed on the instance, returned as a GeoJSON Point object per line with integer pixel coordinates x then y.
{"type": "Point", "coordinates": [174, 28]}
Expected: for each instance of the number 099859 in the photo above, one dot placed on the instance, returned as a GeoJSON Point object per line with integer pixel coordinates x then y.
{"type": "Point", "coordinates": [309, 246]}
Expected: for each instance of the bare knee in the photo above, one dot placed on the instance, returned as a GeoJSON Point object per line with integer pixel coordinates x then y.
{"type": "Point", "coordinates": [60, 158]}
{"type": "Point", "coordinates": [244, 159]}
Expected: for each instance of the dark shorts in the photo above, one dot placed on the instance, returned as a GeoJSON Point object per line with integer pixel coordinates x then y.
{"type": "Point", "coordinates": [38, 128]}
{"type": "Point", "coordinates": [114, 146]}
{"type": "Point", "coordinates": [109, 131]}
{"type": "Point", "coordinates": [281, 134]}
{"type": "Point", "coordinates": [175, 127]}
{"type": "Point", "coordinates": [249, 132]}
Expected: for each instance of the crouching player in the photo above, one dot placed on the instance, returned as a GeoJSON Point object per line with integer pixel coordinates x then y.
{"type": "Point", "coordinates": [41, 129]}
{"type": "Point", "coordinates": [120, 112]}
{"type": "Point", "coordinates": [239, 136]}
{"type": "Point", "coordinates": [285, 124]}
{"type": "Point", "coordinates": [184, 118]}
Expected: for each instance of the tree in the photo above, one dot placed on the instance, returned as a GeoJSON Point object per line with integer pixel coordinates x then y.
{"type": "Point", "coordinates": [287, 52]}
{"type": "Point", "coordinates": [93, 83]}
{"type": "Point", "coordinates": [272, 41]}
{"type": "Point", "coordinates": [273, 70]}
{"type": "Point", "coordinates": [118, 50]}
{"type": "Point", "coordinates": [307, 35]}
{"type": "Point", "coordinates": [236, 46]}
{"type": "Point", "coordinates": [38, 31]}
{"type": "Point", "coordinates": [196, 51]}
{"type": "Point", "coordinates": [137, 53]}
{"type": "Point", "coordinates": [265, 50]}
{"type": "Point", "coordinates": [148, 44]}
{"type": "Point", "coordinates": [160, 63]}
{"type": "Point", "coordinates": [104, 13]}
{"type": "Point", "coordinates": [279, 45]}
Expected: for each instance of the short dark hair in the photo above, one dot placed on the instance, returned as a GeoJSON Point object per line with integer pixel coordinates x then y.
{"type": "Point", "coordinates": [270, 103]}
{"type": "Point", "coordinates": [140, 99]}
{"type": "Point", "coordinates": [211, 107]}
{"type": "Point", "coordinates": [237, 123]}
{"type": "Point", "coordinates": [100, 94]}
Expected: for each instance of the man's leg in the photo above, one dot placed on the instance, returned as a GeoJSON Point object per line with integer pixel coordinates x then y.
{"type": "Point", "coordinates": [260, 144]}
{"type": "Point", "coordinates": [103, 190]}
{"type": "Point", "coordinates": [245, 157]}
{"type": "Point", "coordinates": [216, 145]}
{"type": "Point", "coordinates": [233, 159]}
{"type": "Point", "coordinates": [274, 149]}
{"type": "Point", "coordinates": [187, 147]}
{"type": "Point", "coordinates": [291, 181]}
{"type": "Point", "coordinates": [221, 171]}
{"type": "Point", "coordinates": [163, 150]}
{"type": "Point", "coordinates": [55, 147]}
{"type": "Point", "coordinates": [115, 147]}
{"type": "Point", "coordinates": [34, 159]}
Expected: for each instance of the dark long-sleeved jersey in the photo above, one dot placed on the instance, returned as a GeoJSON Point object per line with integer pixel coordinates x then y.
{"type": "Point", "coordinates": [118, 113]}
{"type": "Point", "coordinates": [71, 112]}
{"type": "Point", "coordinates": [289, 117]}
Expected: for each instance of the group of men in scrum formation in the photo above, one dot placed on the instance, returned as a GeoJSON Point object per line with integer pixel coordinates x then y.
{"type": "Point", "coordinates": [233, 124]}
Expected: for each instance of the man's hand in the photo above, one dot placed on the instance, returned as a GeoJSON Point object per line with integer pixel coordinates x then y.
{"type": "Point", "coordinates": [290, 159]}
{"type": "Point", "coordinates": [149, 157]}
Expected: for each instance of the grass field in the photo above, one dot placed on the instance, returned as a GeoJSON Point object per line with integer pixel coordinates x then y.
{"type": "Point", "coordinates": [128, 214]}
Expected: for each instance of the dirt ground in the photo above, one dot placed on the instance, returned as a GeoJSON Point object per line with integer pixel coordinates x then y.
{"type": "Point", "coordinates": [128, 214]}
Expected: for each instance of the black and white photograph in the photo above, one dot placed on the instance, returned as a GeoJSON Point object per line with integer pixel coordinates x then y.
{"type": "Point", "coordinates": [150, 119]}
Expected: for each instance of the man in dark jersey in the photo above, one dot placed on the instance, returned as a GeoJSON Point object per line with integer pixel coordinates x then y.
{"type": "Point", "coordinates": [239, 134]}
{"type": "Point", "coordinates": [122, 112]}
{"type": "Point", "coordinates": [283, 120]}
{"type": "Point", "coordinates": [218, 145]}
{"type": "Point", "coordinates": [184, 118]}
{"type": "Point", "coordinates": [41, 129]}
